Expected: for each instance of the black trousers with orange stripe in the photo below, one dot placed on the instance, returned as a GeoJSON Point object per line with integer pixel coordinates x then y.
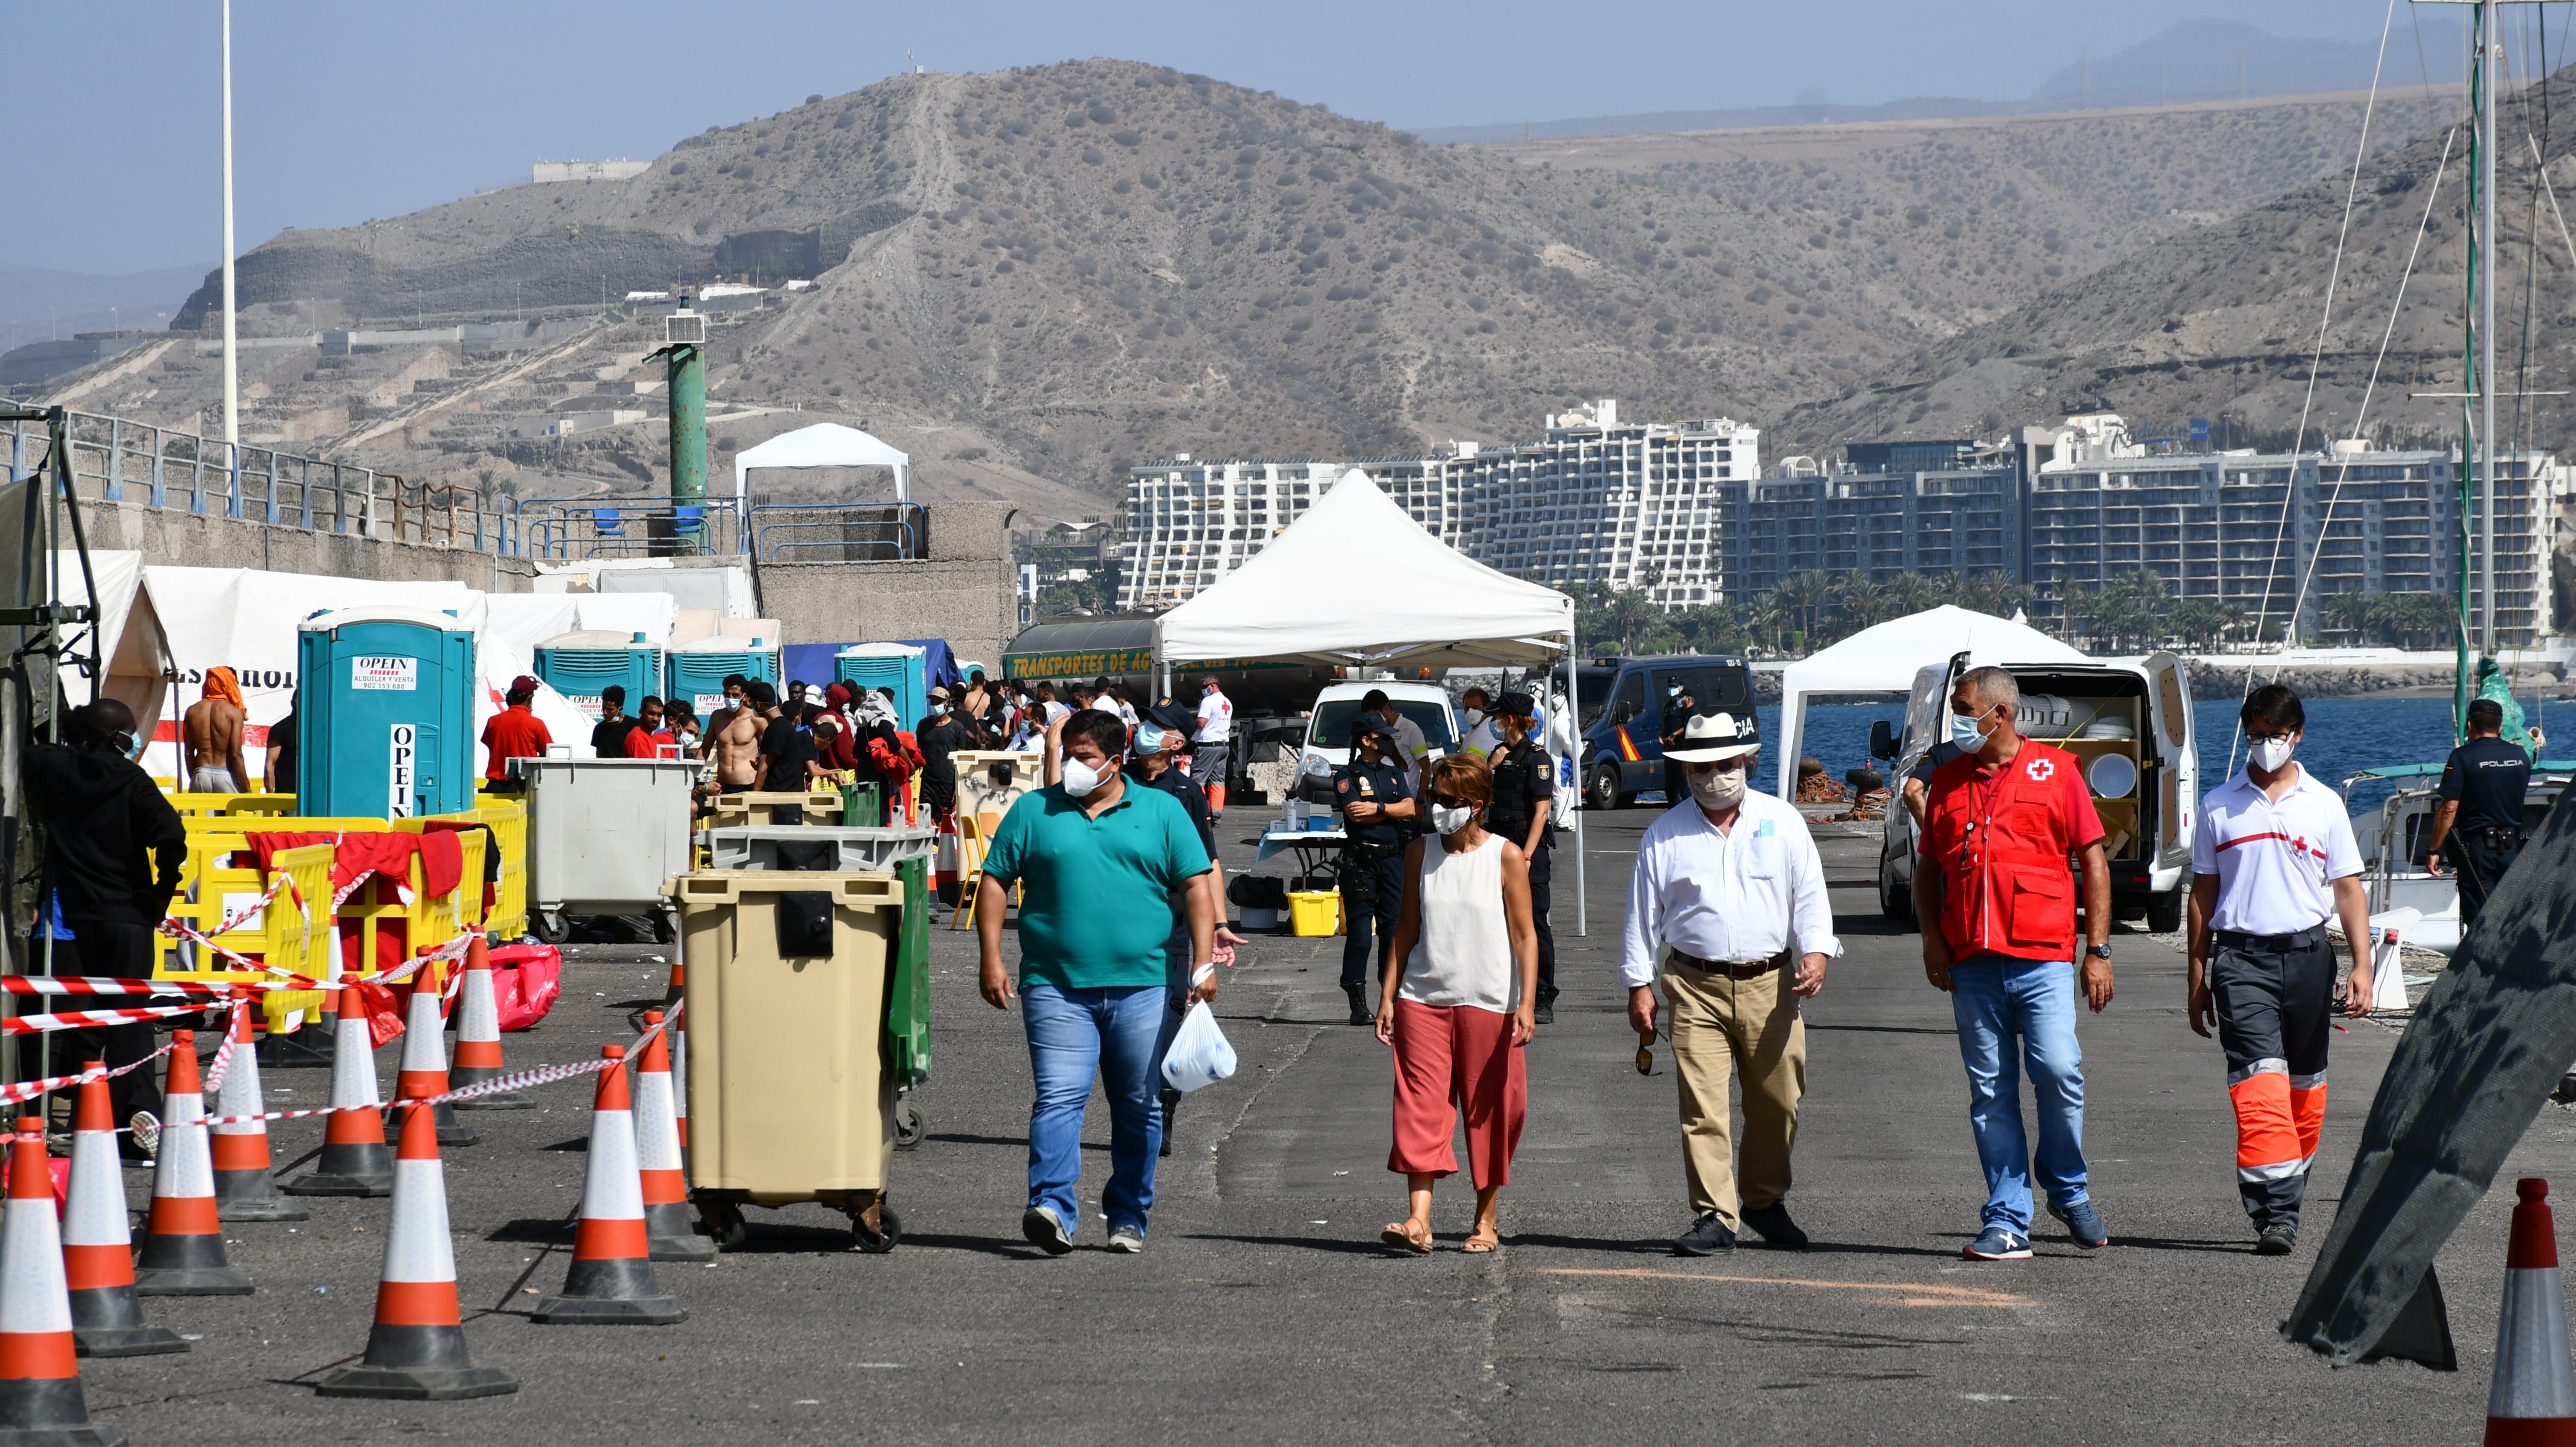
{"type": "Point", "coordinates": [2275, 1009]}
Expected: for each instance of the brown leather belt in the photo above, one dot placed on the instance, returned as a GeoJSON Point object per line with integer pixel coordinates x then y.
{"type": "Point", "coordinates": [1732, 969]}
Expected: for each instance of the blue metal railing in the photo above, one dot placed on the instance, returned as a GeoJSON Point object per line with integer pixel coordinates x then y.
{"type": "Point", "coordinates": [879, 531]}
{"type": "Point", "coordinates": [119, 460]}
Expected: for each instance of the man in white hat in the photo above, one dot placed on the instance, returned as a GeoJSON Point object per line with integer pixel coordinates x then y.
{"type": "Point", "coordinates": [1727, 886]}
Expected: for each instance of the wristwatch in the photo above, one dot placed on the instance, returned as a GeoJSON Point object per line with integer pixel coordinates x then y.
{"type": "Point", "coordinates": [2099, 952]}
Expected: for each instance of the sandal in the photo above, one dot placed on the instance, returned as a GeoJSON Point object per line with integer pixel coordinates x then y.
{"type": "Point", "coordinates": [1396, 1235]}
{"type": "Point", "coordinates": [1486, 1239]}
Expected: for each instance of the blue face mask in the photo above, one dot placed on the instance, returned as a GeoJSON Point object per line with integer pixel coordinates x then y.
{"type": "Point", "coordinates": [135, 751]}
{"type": "Point", "coordinates": [1965, 733]}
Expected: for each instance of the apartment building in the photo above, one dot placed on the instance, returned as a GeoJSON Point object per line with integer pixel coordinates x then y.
{"type": "Point", "coordinates": [1956, 520]}
{"type": "Point", "coordinates": [1632, 505]}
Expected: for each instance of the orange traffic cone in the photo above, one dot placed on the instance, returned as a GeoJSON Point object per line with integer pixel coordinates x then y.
{"type": "Point", "coordinates": [670, 1227]}
{"type": "Point", "coordinates": [478, 1035]}
{"type": "Point", "coordinates": [244, 1190]}
{"type": "Point", "coordinates": [611, 1278]}
{"type": "Point", "coordinates": [416, 1349]}
{"type": "Point", "coordinates": [183, 1246]}
{"type": "Point", "coordinates": [424, 1058]}
{"type": "Point", "coordinates": [354, 1159]}
{"type": "Point", "coordinates": [98, 1249]}
{"type": "Point", "coordinates": [40, 1390]}
{"type": "Point", "coordinates": [2534, 1397]}
{"type": "Point", "coordinates": [677, 987]}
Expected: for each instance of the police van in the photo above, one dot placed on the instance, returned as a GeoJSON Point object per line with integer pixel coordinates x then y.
{"type": "Point", "coordinates": [1624, 708]}
{"type": "Point", "coordinates": [2128, 723]}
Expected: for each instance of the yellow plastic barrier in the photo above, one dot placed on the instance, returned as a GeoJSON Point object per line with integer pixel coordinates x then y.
{"type": "Point", "coordinates": [822, 806]}
{"type": "Point", "coordinates": [194, 805]}
{"type": "Point", "coordinates": [292, 933]}
{"type": "Point", "coordinates": [425, 921]}
{"type": "Point", "coordinates": [508, 819]}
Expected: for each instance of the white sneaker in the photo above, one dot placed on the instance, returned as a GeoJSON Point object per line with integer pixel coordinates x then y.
{"type": "Point", "coordinates": [1127, 1240]}
{"type": "Point", "coordinates": [147, 1132]}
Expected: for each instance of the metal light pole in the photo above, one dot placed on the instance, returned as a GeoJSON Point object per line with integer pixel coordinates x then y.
{"type": "Point", "coordinates": [232, 371]}
{"type": "Point", "coordinates": [2490, 56]}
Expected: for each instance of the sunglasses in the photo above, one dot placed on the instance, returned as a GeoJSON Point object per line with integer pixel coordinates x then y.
{"type": "Point", "coordinates": [1449, 801]}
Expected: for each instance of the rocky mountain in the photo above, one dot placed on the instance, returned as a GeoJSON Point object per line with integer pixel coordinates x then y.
{"type": "Point", "coordinates": [1035, 277]}
{"type": "Point", "coordinates": [2222, 323]}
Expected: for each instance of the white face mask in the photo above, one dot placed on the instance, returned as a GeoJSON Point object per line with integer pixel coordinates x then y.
{"type": "Point", "coordinates": [1965, 733]}
{"type": "Point", "coordinates": [1475, 716]}
{"type": "Point", "coordinates": [2271, 754]}
{"type": "Point", "coordinates": [1718, 788]}
{"type": "Point", "coordinates": [1080, 778]}
{"type": "Point", "coordinates": [1450, 821]}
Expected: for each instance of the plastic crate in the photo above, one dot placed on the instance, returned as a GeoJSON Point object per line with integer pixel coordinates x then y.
{"type": "Point", "coordinates": [1314, 915]}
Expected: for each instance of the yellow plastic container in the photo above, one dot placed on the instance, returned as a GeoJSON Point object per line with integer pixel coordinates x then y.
{"type": "Point", "coordinates": [789, 1096]}
{"type": "Point", "coordinates": [735, 811]}
{"type": "Point", "coordinates": [1312, 915]}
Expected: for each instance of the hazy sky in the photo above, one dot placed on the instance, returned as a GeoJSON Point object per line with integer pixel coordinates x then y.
{"type": "Point", "coordinates": [348, 111]}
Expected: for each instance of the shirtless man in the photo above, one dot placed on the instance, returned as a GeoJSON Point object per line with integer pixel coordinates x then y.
{"type": "Point", "coordinates": [718, 718]}
{"type": "Point", "coordinates": [736, 746]}
{"type": "Point", "coordinates": [213, 732]}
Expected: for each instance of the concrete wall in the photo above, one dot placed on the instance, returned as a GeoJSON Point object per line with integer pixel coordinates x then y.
{"type": "Point", "coordinates": [963, 592]}
{"type": "Point", "coordinates": [181, 538]}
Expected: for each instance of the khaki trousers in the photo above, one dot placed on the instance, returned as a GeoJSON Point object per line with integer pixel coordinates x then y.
{"type": "Point", "coordinates": [1754, 1026]}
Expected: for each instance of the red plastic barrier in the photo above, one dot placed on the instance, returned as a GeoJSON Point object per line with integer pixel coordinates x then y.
{"type": "Point", "coordinates": [60, 1168]}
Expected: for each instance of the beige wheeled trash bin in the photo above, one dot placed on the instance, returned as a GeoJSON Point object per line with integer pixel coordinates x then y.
{"type": "Point", "coordinates": [791, 1094]}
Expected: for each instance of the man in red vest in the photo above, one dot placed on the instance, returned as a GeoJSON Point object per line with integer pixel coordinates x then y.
{"type": "Point", "coordinates": [1997, 904]}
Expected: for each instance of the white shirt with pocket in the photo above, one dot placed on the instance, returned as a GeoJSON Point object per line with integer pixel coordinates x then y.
{"type": "Point", "coordinates": [1463, 957]}
{"type": "Point", "coordinates": [1729, 898]}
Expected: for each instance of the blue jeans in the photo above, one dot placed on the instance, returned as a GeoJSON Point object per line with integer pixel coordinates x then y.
{"type": "Point", "coordinates": [2013, 1013]}
{"type": "Point", "coordinates": [1073, 1035]}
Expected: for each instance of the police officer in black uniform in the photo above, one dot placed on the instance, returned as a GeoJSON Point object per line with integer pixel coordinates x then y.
{"type": "Point", "coordinates": [1375, 794]}
{"type": "Point", "coordinates": [2480, 816]}
{"type": "Point", "coordinates": [1523, 790]}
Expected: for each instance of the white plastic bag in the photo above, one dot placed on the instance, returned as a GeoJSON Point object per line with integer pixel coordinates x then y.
{"type": "Point", "coordinates": [1200, 1053]}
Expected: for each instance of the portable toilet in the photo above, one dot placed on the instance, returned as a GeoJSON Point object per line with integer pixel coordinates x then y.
{"type": "Point", "coordinates": [695, 670]}
{"type": "Point", "coordinates": [898, 666]}
{"type": "Point", "coordinates": [581, 665]}
{"type": "Point", "coordinates": [388, 713]}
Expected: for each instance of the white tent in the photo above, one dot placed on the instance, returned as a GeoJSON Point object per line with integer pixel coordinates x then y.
{"type": "Point", "coordinates": [1357, 581]}
{"type": "Point", "coordinates": [825, 444]}
{"type": "Point", "coordinates": [1884, 659]}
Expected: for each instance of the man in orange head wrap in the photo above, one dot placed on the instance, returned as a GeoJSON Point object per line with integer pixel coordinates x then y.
{"type": "Point", "coordinates": [213, 735]}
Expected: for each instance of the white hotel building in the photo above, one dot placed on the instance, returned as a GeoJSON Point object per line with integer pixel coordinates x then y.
{"type": "Point", "coordinates": [1631, 505]}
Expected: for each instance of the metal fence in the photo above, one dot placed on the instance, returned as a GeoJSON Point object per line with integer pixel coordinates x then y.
{"type": "Point", "coordinates": [118, 460]}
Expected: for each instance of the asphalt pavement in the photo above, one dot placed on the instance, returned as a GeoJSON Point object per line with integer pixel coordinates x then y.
{"type": "Point", "coordinates": [1264, 1310]}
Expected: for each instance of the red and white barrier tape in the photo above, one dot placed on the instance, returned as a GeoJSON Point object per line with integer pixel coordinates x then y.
{"type": "Point", "coordinates": [223, 1060]}
{"type": "Point", "coordinates": [108, 985]}
{"type": "Point", "coordinates": [94, 1019]}
{"type": "Point", "coordinates": [30, 1089]}
{"type": "Point", "coordinates": [515, 1080]}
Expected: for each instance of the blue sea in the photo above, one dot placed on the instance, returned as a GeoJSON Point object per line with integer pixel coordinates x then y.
{"type": "Point", "coordinates": [2343, 735]}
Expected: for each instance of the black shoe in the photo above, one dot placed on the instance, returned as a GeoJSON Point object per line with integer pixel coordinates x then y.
{"type": "Point", "coordinates": [2277, 1241]}
{"type": "Point", "coordinates": [1044, 1231]}
{"type": "Point", "coordinates": [1545, 1012]}
{"type": "Point", "coordinates": [1772, 1223]}
{"type": "Point", "coordinates": [1171, 1108]}
{"type": "Point", "coordinates": [1359, 1005]}
{"type": "Point", "coordinates": [1707, 1237]}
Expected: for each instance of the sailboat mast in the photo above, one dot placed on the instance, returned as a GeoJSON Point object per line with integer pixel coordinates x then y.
{"type": "Point", "coordinates": [2490, 54]}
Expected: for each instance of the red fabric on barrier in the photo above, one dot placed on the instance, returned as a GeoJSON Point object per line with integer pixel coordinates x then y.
{"type": "Point", "coordinates": [525, 981]}
{"type": "Point", "coordinates": [442, 861]}
{"type": "Point", "coordinates": [361, 854]}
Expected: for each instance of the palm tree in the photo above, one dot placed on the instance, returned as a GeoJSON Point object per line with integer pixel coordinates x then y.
{"type": "Point", "coordinates": [2201, 622]}
{"type": "Point", "coordinates": [1990, 592]}
{"type": "Point", "coordinates": [1860, 602]}
{"type": "Point", "coordinates": [2355, 614]}
{"type": "Point", "coordinates": [1807, 595]}
{"type": "Point", "coordinates": [1909, 593]}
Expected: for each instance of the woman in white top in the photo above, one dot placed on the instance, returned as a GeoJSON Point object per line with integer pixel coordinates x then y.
{"type": "Point", "coordinates": [1458, 1002]}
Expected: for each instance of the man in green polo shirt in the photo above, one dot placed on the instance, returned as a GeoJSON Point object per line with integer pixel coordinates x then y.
{"type": "Point", "coordinates": [1107, 869]}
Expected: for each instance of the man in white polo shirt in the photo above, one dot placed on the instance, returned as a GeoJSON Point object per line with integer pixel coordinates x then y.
{"type": "Point", "coordinates": [2272, 859]}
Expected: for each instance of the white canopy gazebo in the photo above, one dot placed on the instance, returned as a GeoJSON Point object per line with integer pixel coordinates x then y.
{"type": "Point", "coordinates": [1884, 659]}
{"type": "Point", "coordinates": [825, 444]}
{"type": "Point", "coordinates": [1357, 583]}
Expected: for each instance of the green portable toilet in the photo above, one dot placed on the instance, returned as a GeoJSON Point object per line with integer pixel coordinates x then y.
{"type": "Point", "coordinates": [582, 664]}
{"type": "Point", "coordinates": [695, 671]}
{"type": "Point", "coordinates": [898, 666]}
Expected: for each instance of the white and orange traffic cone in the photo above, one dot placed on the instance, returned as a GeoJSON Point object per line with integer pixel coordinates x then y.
{"type": "Point", "coordinates": [676, 987]}
{"type": "Point", "coordinates": [2534, 1398]}
{"type": "Point", "coordinates": [354, 1160]}
{"type": "Point", "coordinates": [416, 1349]}
{"type": "Point", "coordinates": [40, 1389]}
{"type": "Point", "coordinates": [478, 1036]}
{"type": "Point", "coordinates": [611, 1279]}
{"type": "Point", "coordinates": [98, 1246]}
{"type": "Point", "coordinates": [679, 1034]}
{"type": "Point", "coordinates": [670, 1227]}
{"type": "Point", "coordinates": [424, 1058]}
{"type": "Point", "coordinates": [183, 1240]}
{"type": "Point", "coordinates": [244, 1189]}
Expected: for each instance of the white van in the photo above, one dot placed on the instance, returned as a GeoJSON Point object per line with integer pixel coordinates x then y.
{"type": "Point", "coordinates": [2130, 724]}
{"type": "Point", "coordinates": [1328, 729]}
